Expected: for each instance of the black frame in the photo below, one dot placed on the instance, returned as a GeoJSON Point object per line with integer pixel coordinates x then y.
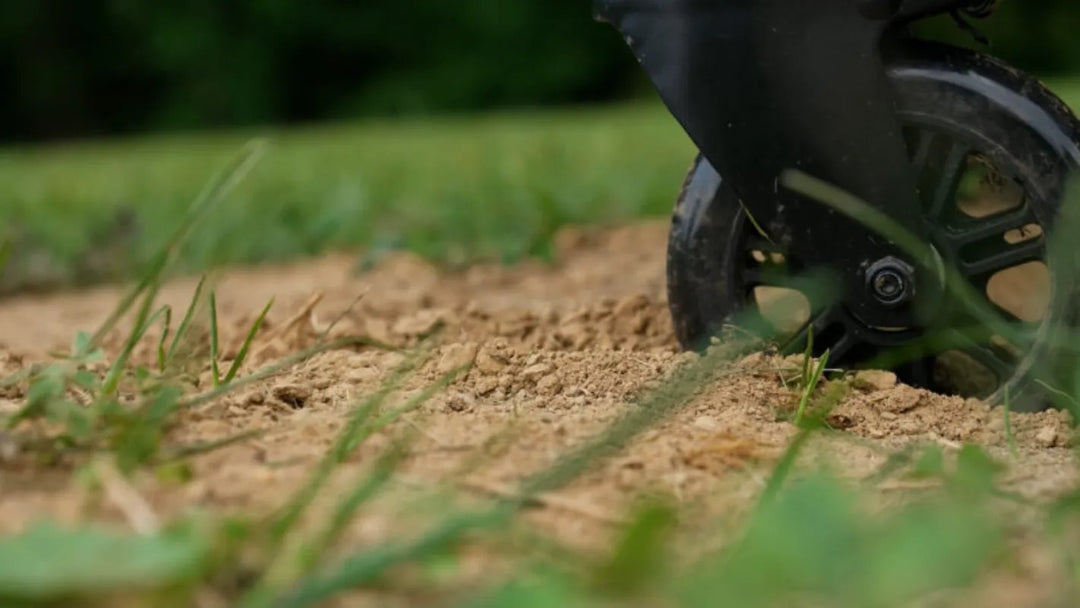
{"type": "Point", "coordinates": [762, 86]}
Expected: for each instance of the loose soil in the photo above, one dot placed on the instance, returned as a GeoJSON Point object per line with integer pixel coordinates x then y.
{"type": "Point", "coordinates": [557, 351]}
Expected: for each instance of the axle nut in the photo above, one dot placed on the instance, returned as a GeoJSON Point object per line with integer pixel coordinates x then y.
{"type": "Point", "coordinates": [891, 281]}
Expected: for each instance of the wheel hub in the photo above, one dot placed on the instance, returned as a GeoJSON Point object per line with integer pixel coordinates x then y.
{"type": "Point", "coordinates": [891, 281]}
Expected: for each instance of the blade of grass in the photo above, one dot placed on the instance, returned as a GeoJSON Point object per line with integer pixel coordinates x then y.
{"type": "Point", "coordinates": [875, 220]}
{"type": "Point", "coordinates": [1071, 403]}
{"type": "Point", "coordinates": [753, 222]}
{"type": "Point", "coordinates": [7, 248]}
{"type": "Point", "coordinates": [340, 317]}
{"type": "Point", "coordinates": [143, 321]}
{"type": "Point", "coordinates": [275, 368]}
{"type": "Point", "coordinates": [394, 415]}
{"type": "Point", "coordinates": [343, 445]}
{"type": "Point", "coordinates": [894, 463]}
{"type": "Point", "coordinates": [808, 356]}
{"type": "Point", "coordinates": [286, 569]}
{"type": "Point", "coordinates": [189, 314]}
{"type": "Point", "coordinates": [183, 452]}
{"type": "Point", "coordinates": [214, 340]}
{"type": "Point", "coordinates": [365, 567]}
{"type": "Point", "coordinates": [214, 193]}
{"type": "Point", "coordinates": [673, 393]}
{"type": "Point", "coordinates": [166, 327]}
{"type": "Point", "coordinates": [361, 493]}
{"type": "Point", "coordinates": [783, 468]}
{"type": "Point", "coordinates": [242, 353]}
{"type": "Point", "coordinates": [1009, 436]}
{"type": "Point", "coordinates": [810, 387]}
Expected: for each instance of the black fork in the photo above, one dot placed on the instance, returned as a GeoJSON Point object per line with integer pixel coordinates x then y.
{"type": "Point", "coordinates": [766, 86]}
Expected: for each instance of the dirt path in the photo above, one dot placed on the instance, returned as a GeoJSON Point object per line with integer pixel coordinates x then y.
{"type": "Point", "coordinates": [559, 351]}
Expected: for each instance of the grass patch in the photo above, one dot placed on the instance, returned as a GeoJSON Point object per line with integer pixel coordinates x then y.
{"type": "Point", "coordinates": [455, 189]}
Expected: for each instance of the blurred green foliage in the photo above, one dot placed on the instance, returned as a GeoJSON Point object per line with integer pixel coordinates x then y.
{"type": "Point", "coordinates": [1040, 37]}
{"type": "Point", "coordinates": [107, 66]}
{"type": "Point", "coordinates": [492, 187]}
{"type": "Point", "coordinates": [118, 65]}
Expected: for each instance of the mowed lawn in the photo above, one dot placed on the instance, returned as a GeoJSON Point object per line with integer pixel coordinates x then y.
{"type": "Point", "coordinates": [456, 189]}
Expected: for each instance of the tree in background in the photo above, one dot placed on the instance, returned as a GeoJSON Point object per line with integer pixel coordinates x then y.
{"type": "Point", "coordinates": [1037, 36]}
{"type": "Point", "coordinates": [87, 68]}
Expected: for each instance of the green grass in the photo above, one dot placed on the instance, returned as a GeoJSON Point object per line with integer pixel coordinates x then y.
{"type": "Point", "coordinates": [454, 189]}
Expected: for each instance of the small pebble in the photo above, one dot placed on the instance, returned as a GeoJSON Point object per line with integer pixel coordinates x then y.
{"type": "Point", "coordinates": [549, 384]}
{"type": "Point", "coordinates": [456, 356]}
{"type": "Point", "coordinates": [490, 363]}
{"type": "Point", "coordinates": [1047, 436]}
{"type": "Point", "coordinates": [875, 380]}
{"type": "Point", "coordinates": [486, 386]}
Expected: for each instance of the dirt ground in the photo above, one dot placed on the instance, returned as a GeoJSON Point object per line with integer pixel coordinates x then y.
{"type": "Point", "coordinates": [559, 352]}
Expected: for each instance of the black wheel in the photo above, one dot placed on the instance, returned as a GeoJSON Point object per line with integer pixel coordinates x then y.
{"type": "Point", "coordinates": [993, 151]}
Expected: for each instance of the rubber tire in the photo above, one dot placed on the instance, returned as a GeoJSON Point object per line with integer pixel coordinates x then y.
{"type": "Point", "coordinates": [949, 86]}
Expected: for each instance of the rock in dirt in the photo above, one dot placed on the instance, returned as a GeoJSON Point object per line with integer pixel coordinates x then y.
{"type": "Point", "coordinates": [491, 362]}
{"type": "Point", "coordinates": [874, 380]}
{"type": "Point", "coordinates": [419, 324]}
{"type": "Point", "coordinates": [900, 399]}
{"type": "Point", "coordinates": [460, 402]}
{"type": "Point", "coordinates": [457, 356]}
{"type": "Point", "coordinates": [536, 371]}
{"type": "Point", "coordinates": [1047, 436]}
{"type": "Point", "coordinates": [549, 385]}
{"type": "Point", "coordinates": [486, 386]}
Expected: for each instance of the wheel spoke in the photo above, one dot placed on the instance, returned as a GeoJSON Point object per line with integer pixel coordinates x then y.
{"type": "Point", "coordinates": [944, 182]}
{"type": "Point", "coordinates": [981, 351]}
{"type": "Point", "coordinates": [918, 372]}
{"type": "Point", "coordinates": [769, 275]}
{"type": "Point", "coordinates": [1017, 332]}
{"type": "Point", "coordinates": [753, 277]}
{"type": "Point", "coordinates": [797, 342]}
{"type": "Point", "coordinates": [843, 346]}
{"type": "Point", "coordinates": [973, 229]}
{"type": "Point", "coordinates": [829, 332]}
{"type": "Point", "coordinates": [774, 275]}
{"type": "Point", "coordinates": [751, 321]}
{"type": "Point", "coordinates": [922, 147]}
{"type": "Point", "coordinates": [993, 226]}
{"type": "Point", "coordinates": [1007, 316]}
{"type": "Point", "coordinates": [756, 242]}
{"type": "Point", "coordinates": [1004, 257]}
